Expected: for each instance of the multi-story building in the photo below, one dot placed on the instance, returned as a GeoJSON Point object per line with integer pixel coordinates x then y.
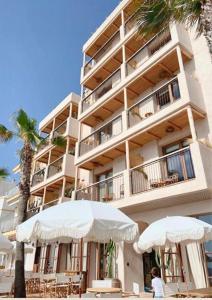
{"type": "Point", "coordinates": [53, 174]}
{"type": "Point", "coordinates": [145, 133]}
{"type": "Point", "coordinates": [53, 177]}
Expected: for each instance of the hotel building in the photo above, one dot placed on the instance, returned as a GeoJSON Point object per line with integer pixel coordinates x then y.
{"type": "Point", "coordinates": [53, 179]}
{"type": "Point", "coordinates": [145, 136]}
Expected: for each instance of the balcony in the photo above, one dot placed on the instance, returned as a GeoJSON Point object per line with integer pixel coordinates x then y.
{"type": "Point", "coordinates": [101, 90]}
{"type": "Point", "coordinates": [154, 102]}
{"type": "Point", "coordinates": [101, 135]}
{"type": "Point", "coordinates": [8, 222]}
{"type": "Point", "coordinates": [63, 166]}
{"type": "Point", "coordinates": [55, 167]}
{"type": "Point", "coordinates": [60, 130]}
{"type": "Point", "coordinates": [130, 23]}
{"type": "Point", "coordinates": [167, 170]}
{"type": "Point", "coordinates": [147, 50]}
{"type": "Point", "coordinates": [38, 177]}
{"type": "Point", "coordinates": [104, 191]}
{"type": "Point", "coordinates": [33, 211]}
{"type": "Point", "coordinates": [110, 44]}
{"type": "Point", "coordinates": [50, 203]}
{"type": "Point", "coordinates": [46, 142]}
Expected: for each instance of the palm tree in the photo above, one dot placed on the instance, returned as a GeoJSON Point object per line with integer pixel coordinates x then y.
{"type": "Point", "coordinates": [26, 132]}
{"type": "Point", "coordinates": [154, 15]}
{"type": "Point", "coordinates": [3, 173]}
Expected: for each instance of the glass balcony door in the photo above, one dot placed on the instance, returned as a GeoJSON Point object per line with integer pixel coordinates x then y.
{"type": "Point", "coordinates": [179, 165]}
{"type": "Point", "coordinates": [105, 191]}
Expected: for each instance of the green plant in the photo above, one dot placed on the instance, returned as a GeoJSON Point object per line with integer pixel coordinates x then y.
{"type": "Point", "coordinates": [3, 173]}
{"type": "Point", "coordinates": [59, 141]}
{"type": "Point", "coordinates": [110, 250]}
{"type": "Point", "coordinates": [153, 16]}
{"type": "Point", "coordinates": [68, 191]}
{"type": "Point", "coordinates": [159, 262]}
{"type": "Point", "coordinates": [25, 132]}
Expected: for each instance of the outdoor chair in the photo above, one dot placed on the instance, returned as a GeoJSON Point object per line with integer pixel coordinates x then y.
{"type": "Point", "coordinates": [75, 284]}
{"type": "Point", "coordinates": [46, 282]}
{"type": "Point", "coordinates": [6, 286]}
{"type": "Point", "coordinates": [61, 287]}
{"type": "Point", "coordinates": [33, 284]}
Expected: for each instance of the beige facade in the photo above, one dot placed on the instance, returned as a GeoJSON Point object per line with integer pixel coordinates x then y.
{"type": "Point", "coordinates": [53, 166]}
{"type": "Point", "coordinates": [145, 127]}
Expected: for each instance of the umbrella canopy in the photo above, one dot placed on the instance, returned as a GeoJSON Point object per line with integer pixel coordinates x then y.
{"type": "Point", "coordinates": [172, 230]}
{"type": "Point", "coordinates": [5, 244]}
{"type": "Point", "coordinates": [27, 248]}
{"type": "Point", "coordinates": [93, 221]}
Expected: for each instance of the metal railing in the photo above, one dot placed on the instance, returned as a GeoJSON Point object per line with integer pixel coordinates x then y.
{"type": "Point", "coordinates": [101, 135]}
{"type": "Point", "coordinates": [130, 23]}
{"type": "Point", "coordinates": [50, 204]}
{"type": "Point", "coordinates": [8, 223]}
{"type": "Point", "coordinates": [38, 177]}
{"type": "Point", "coordinates": [147, 50]}
{"type": "Point", "coordinates": [154, 102]}
{"type": "Point", "coordinates": [112, 42]}
{"type": "Point", "coordinates": [165, 171]}
{"type": "Point", "coordinates": [33, 211]}
{"type": "Point", "coordinates": [60, 130]}
{"type": "Point", "coordinates": [55, 167]}
{"type": "Point", "coordinates": [104, 191]}
{"type": "Point", "coordinates": [102, 89]}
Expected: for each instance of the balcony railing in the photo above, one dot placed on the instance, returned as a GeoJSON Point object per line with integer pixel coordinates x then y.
{"type": "Point", "coordinates": [130, 23]}
{"type": "Point", "coordinates": [154, 102]}
{"type": "Point", "coordinates": [112, 42]}
{"type": "Point", "coordinates": [38, 177]}
{"type": "Point", "coordinates": [8, 223]}
{"type": "Point", "coordinates": [103, 191]}
{"type": "Point", "coordinates": [50, 204]}
{"type": "Point", "coordinates": [33, 211]}
{"type": "Point", "coordinates": [60, 130]}
{"type": "Point", "coordinates": [101, 135]}
{"type": "Point", "coordinates": [44, 143]}
{"type": "Point", "coordinates": [55, 167]}
{"type": "Point", "coordinates": [102, 89]}
{"type": "Point", "coordinates": [167, 170]}
{"type": "Point", "coordinates": [152, 46]}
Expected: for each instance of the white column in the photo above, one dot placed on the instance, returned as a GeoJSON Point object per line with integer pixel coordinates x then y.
{"type": "Point", "coordinates": [191, 124]}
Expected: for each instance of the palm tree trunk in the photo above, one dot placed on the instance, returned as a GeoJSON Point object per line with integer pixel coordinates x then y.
{"type": "Point", "coordinates": [24, 187]}
{"type": "Point", "coordinates": [206, 20]}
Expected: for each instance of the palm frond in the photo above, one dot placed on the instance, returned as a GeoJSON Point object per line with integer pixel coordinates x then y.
{"type": "Point", "coordinates": [3, 173]}
{"type": "Point", "coordinates": [154, 15]}
{"type": "Point", "coordinates": [5, 134]}
{"type": "Point", "coordinates": [26, 128]}
{"type": "Point", "coordinates": [59, 141]}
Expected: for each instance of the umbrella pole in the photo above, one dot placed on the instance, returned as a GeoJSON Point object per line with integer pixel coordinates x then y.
{"type": "Point", "coordinates": [81, 262]}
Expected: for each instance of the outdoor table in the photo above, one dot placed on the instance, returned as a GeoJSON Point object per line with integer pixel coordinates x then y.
{"type": "Point", "coordinates": [104, 290]}
{"type": "Point", "coordinates": [197, 293]}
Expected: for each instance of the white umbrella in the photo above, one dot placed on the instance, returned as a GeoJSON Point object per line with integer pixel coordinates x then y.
{"type": "Point", "coordinates": [82, 219]}
{"type": "Point", "coordinates": [172, 230]}
{"type": "Point", "coordinates": [90, 220]}
{"type": "Point", "coordinates": [5, 244]}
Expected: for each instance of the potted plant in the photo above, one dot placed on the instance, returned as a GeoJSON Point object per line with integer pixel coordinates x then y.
{"type": "Point", "coordinates": [111, 252]}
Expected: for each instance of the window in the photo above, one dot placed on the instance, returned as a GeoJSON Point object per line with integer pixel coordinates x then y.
{"type": "Point", "coordinates": [105, 190]}
{"type": "Point", "coordinates": [181, 163]}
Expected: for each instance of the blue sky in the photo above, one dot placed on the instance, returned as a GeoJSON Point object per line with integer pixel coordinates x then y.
{"type": "Point", "coordinates": [41, 55]}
